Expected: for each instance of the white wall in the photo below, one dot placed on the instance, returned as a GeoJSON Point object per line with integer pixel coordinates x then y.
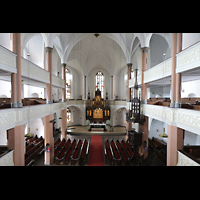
{"type": "Point", "coordinates": [163, 91]}
{"type": "Point", "coordinates": [5, 40]}
{"type": "Point", "coordinates": [30, 90]}
{"type": "Point", "coordinates": [120, 84]}
{"type": "Point", "coordinates": [5, 89]}
{"type": "Point", "coordinates": [158, 46]}
{"type": "Point", "coordinates": [77, 115]}
{"type": "Point", "coordinates": [189, 39]}
{"type": "Point", "coordinates": [56, 64]}
{"type": "Point", "coordinates": [190, 87]}
{"type": "Point", "coordinates": [36, 127]}
{"type": "Point", "coordinates": [119, 118]}
{"type": "Point", "coordinates": [91, 81]}
{"type": "Point", "coordinates": [156, 127]}
{"type": "Point", "coordinates": [191, 138]}
{"type": "Point", "coordinates": [3, 137]}
{"type": "Point", "coordinates": [35, 47]}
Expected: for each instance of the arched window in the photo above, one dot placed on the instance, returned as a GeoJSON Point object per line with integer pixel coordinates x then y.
{"type": "Point", "coordinates": [68, 84]}
{"type": "Point", "coordinates": [69, 117]}
{"type": "Point", "coordinates": [100, 82]}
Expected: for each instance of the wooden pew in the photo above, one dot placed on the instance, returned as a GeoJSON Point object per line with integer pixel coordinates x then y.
{"type": "Point", "coordinates": [117, 157]}
{"type": "Point", "coordinates": [62, 150]}
{"type": "Point", "coordinates": [69, 152]}
{"type": "Point", "coordinates": [34, 148]}
{"type": "Point", "coordinates": [160, 149]}
{"type": "Point", "coordinates": [127, 147]}
{"type": "Point", "coordinates": [56, 143]}
{"type": "Point", "coordinates": [85, 152]}
{"type": "Point", "coordinates": [123, 152]}
{"type": "Point", "coordinates": [76, 154]}
{"type": "Point", "coordinates": [32, 139]}
{"type": "Point", "coordinates": [108, 152]}
{"type": "Point", "coordinates": [193, 150]}
{"type": "Point", "coordinates": [31, 155]}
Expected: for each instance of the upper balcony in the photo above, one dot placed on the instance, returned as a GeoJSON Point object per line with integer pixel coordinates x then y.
{"type": "Point", "coordinates": [187, 63]}
{"type": "Point", "coordinates": [183, 118]}
{"type": "Point", "coordinates": [188, 59]}
{"type": "Point", "coordinates": [12, 117]}
{"type": "Point", "coordinates": [162, 70]}
{"type": "Point", "coordinates": [30, 71]}
{"type": "Point", "coordinates": [36, 73]}
{"type": "Point", "coordinates": [7, 61]}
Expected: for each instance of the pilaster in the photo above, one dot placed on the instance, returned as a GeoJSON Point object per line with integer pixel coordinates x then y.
{"type": "Point", "coordinates": [173, 76]}
{"type": "Point", "coordinates": [178, 75]}
{"type": "Point", "coordinates": [48, 139]}
{"type": "Point", "coordinates": [64, 78]}
{"type": "Point", "coordinates": [49, 69]}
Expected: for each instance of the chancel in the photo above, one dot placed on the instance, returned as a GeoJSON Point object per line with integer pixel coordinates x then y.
{"type": "Point", "coordinates": [99, 99]}
{"type": "Point", "coordinates": [98, 112]}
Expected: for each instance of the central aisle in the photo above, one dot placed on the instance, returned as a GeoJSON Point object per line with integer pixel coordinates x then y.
{"type": "Point", "coordinates": [96, 151]}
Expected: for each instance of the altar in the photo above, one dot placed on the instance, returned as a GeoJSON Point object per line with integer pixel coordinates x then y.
{"type": "Point", "coordinates": [97, 127]}
{"type": "Point", "coordinates": [97, 112]}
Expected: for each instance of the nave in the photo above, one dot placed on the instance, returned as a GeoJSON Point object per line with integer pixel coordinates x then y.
{"type": "Point", "coordinates": [116, 151]}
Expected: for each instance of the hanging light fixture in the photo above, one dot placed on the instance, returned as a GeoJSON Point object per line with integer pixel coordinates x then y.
{"type": "Point", "coordinates": [163, 134]}
{"type": "Point", "coordinates": [134, 112]}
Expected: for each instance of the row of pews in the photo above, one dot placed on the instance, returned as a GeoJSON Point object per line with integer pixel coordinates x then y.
{"type": "Point", "coordinates": [34, 148]}
{"type": "Point", "coordinates": [71, 152]}
{"type": "Point", "coordinates": [187, 103]}
{"type": "Point", "coordinates": [159, 149]}
{"type": "Point", "coordinates": [118, 152]}
{"type": "Point", "coordinates": [192, 151]}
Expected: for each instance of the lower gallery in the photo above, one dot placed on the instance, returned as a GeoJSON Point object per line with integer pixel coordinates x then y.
{"type": "Point", "coordinates": [99, 99]}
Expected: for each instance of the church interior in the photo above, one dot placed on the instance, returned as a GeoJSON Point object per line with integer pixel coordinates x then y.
{"type": "Point", "coordinates": [99, 99]}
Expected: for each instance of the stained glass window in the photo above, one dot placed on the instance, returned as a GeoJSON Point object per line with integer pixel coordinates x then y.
{"type": "Point", "coordinates": [69, 115]}
{"type": "Point", "coordinates": [68, 84]}
{"type": "Point", "coordinates": [100, 82]}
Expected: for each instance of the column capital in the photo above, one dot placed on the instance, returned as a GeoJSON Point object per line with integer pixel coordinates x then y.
{"type": "Point", "coordinates": [145, 49]}
{"type": "Point", "coordinates": [48, 49]}
{"type": "Point", "coordinates": [129, 64]}
{"type": "Point", "coordinates": [64, 65]}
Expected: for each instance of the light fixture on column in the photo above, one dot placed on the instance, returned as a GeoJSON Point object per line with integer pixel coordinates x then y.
{"type": "Point", "coordinates": [96, 35]}
{"type": "Point", "coordinates": [134, 112]}
{"type": "Point", "coordinates": [163, 134]}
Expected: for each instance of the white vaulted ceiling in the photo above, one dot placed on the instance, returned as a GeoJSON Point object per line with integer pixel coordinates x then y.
{"type": "Point", "coordinates": [84, 52]}
{"type": "Point", "coordinates": [92, 52]}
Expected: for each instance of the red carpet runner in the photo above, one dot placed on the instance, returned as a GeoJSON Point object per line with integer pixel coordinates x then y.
{"type": "Point", "coordinates": [96, 151]}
